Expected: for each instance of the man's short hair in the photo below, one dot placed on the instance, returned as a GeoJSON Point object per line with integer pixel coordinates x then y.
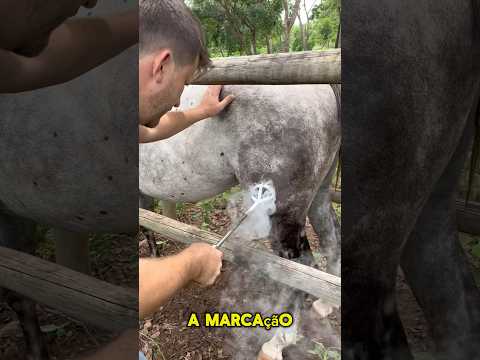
{"type": "Point", "coordinates": [171, 24]}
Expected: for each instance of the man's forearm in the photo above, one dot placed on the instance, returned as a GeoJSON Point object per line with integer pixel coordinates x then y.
{"type": "Point", "coordinates": [172, 123]}
{"type": "Point", "coordinates": [74, 48]}
{"type": "Point", "coordinates": [160, 279]}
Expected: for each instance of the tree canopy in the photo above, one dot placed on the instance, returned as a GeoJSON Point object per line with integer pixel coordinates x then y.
{"type": "Point", "coordinates": [245, 27]}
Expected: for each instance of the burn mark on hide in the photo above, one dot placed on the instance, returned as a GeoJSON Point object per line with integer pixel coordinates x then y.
{"type": "Point", "coordinates": [35, 183]}
{"type": "Point", "coordinates": [79, 218]}
{"type": "Point", "coordinates": [55, 134]}
{"type": "Point", "coordinates": [288, 237]}
{"type": "Point", "coordinates": [222, 153]}
{"type": "Point", "coordinates": [103, 212]}
{"type": "Point", "coordinates": [106, 138]}
{"type": "Point", "coordinates": [110, 177]}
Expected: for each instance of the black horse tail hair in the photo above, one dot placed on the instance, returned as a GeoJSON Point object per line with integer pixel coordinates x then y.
{"type": "Point", "coordinates": [475, 154]}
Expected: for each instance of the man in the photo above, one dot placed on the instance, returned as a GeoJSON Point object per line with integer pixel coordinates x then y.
{"type": "Point", "coordinates": [38, 49]}
{"type": "Point", "coordinates": [172, 52]}
{"type": "Point", "coordinates": [40, 46]}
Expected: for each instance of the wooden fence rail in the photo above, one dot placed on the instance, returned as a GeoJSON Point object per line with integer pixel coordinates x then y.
{"type": "Point", "coordinates": [77, 295]}
{"type": "Point", "coordinates": [308, 67]}
{"type": "Point", "coordinates": [468, 215]}
{"type": "Point", "coordinates": [305, 278]}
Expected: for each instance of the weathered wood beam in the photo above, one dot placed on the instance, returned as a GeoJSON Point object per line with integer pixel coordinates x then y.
{"type": "Point", "coordinates": [305, 278]}
{"type": "Point", "coordinates": [468, 217]}
{"type": "Point", "coordinates": [308, 67]}
{"type": "Point", "coordinates": [77, 295]}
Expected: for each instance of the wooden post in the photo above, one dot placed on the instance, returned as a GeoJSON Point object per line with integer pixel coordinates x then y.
{"type": "Point", "coordinates": [468, 217]}
{"type": "Point", "coordinates": [72, 250]}
{"type": "Point", "coordinates": [169, 209]}
{"type": "Point", "coordinates": [79, 296]}
{"type": "Point", "coordinates": [310, 280]}
{"type": "Point", "coordinates": [308, 67]}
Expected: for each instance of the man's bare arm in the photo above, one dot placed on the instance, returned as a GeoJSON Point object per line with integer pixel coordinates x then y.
{"type": "Point", "coordinates": [160, 279]}
{"type": "Point", "coordinates": [74, 48]}
{"type": "Point", "coordinates": [171, 123]}
{"type": "Point", "coordinates": [176, 121]}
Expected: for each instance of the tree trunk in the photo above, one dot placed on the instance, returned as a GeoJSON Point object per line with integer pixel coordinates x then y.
{"type": "Point", "coordinates": [254, 43]}
{"type": "Point", "coordinates": [338, 41]}
{"type": "Point", "coordinates": [302, 34]}
{"type": "Point", "coordinates": [288, 22]}
{"type": "Point", "coordinates": [269, 45]}
{"type": "Point", "coordinates": [286, 41]}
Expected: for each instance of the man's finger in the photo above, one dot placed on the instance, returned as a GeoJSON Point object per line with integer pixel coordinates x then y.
{"type": "Point", "coordinates": [227, 101]}
{"type": "Point", "coordinates": [215, 90]}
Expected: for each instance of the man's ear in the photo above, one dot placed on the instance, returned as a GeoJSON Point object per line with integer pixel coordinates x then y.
{"type": "Point", "coordinates": [162, 63]}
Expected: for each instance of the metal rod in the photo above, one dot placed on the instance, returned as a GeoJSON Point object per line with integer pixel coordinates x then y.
{"type": "Point", "coordinates": [264, 193]}
{"type": "Point", "coordinates": [230, 232]}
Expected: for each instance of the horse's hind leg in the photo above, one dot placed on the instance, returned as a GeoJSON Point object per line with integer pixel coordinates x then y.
{"type": "Point", "coordinates": [325, 223]}
{"type": "Point", "coordinates": [19, 234]}
{"type": "Point", "coordinates": [437, 270]}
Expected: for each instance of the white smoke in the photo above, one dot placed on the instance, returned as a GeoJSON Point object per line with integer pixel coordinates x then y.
{"type": "Point", "coordinates": [249, 290]}
{"type": "Point", "coordinates": [258, 224]}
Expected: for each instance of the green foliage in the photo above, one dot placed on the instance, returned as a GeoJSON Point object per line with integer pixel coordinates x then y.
{"type": "Point", "coordinates": [218, 202]}
{"type": "Point", "coordinates": [476, 250]}
{"type": "Point", "coordinates": [325, 353]}
{"type": "Point", "coordinates": [338, 210]}
{"type": "Point", "coordinates": [244, 27]}
{"type": "Point", "coordinates": [180, 209]}
{"type": "Point", "coordinates": [207, 207]}
{"type": "Point", "coordinates": [237, 27]}
{"type": "Point", "coordinates": [326, 19]}
{"type": "Point", "coordinates": [45, 242]}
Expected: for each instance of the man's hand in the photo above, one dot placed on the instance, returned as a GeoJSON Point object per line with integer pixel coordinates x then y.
{"type": "Point", "coordinates": [211, 104]}
{"type": "Point", "coordinates": [205, 263]}
{"type": "Point", "coordinates": [160, 279]}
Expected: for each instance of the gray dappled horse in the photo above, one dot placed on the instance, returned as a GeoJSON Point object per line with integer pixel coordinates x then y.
{"type": "Point", "coordinates": [287, 134]}
{"type": "Point", "coordinates": [411, 87]}
{"type": "Point", "coordinates": [68, 159]}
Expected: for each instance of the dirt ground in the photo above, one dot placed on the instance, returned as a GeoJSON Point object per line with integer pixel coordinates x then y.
{"type": "Point", "coordinates": [165, 336]}
{"type": "Point", "coordinates": [113, 259]}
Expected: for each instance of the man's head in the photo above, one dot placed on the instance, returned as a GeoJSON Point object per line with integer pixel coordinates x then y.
{"type": "Point", "coordinates": [172, 50]}
{"type": "Point", "coordinates": [26, 25]}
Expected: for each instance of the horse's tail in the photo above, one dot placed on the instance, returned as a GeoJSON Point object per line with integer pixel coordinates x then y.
{"type": "Point", "coordinates": [476, 17]}
{"type": "Point", "coordinates": [476, 59]}
{"type": "Point", "coordinates": [337, 90]}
